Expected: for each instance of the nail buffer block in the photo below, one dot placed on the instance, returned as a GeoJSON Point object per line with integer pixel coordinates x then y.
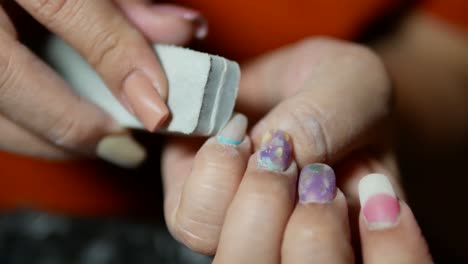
{"type": "Point", "coordinates": [202, 87]}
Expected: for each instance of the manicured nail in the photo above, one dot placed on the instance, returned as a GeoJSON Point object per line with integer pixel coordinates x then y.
{"type": "Point", "coordinates": [188, 14]}
{"type": "Point", "coordinates": [121, 150]}
{"type": "Point", "coordinates": [317, 184]}
{"type": "Point", "coordinates": [276, 151]}
{"type": "Point", "coordinates": [379, 205]}
{"type": "Point", "coordinates": [234, 131]}
{"type": "Point", "coordinates": [144, 100]}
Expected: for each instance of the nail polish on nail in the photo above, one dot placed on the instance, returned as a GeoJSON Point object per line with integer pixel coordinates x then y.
{"type": "Point", "coordinates": [379, 205]}
{"type": "Point", "coordinates": [234, 131]}
{"type": "Point", "coordinates": [317, 184]}
{"type": "Point", "coordinates": [201, 28]}
{"type": "Point", "coordinates": [144, 100]}
{"type": "Point", "coordinates": [275, 151]}
{"type": "Point", "coordinates": [188, 14]}
{"type": "Point", "coordinates": [122, 150]}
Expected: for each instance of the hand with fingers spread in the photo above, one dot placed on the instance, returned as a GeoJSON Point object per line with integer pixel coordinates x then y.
{"type": "Point", "coordinates": [332, 100]}
{"type": "Point", "coordinates": [41, 116]}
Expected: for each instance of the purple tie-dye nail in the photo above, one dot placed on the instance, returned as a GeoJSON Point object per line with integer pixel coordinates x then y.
{"type": "Point", "coordinates": [276, 151]}
{"type": "Point", "coordinates": [317, 184]}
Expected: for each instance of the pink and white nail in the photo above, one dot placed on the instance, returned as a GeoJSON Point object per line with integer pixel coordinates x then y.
{"type": "Point", "coordinates": [379, 205]}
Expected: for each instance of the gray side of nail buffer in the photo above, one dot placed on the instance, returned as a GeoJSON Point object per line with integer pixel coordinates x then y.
{"type": "Point", "coordinates": [202, 87]}
{"type": "Point", "coordinates": [218, 103]}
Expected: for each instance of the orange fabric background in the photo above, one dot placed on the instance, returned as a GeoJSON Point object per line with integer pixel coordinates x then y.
{"type": "Point", "coordinates": [239, 30]}
{"type": "Point", "coordinates": [452, 11]}
{"type": "Point", "coordinates": [242, 29]}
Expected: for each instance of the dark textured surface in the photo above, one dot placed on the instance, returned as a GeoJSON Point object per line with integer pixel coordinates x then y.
{"type": "Point", "coordinates": [37, 238]}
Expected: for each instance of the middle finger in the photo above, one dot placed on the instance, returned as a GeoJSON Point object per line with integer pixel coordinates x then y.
{"type": "Point", "coordinates": [318, 230]}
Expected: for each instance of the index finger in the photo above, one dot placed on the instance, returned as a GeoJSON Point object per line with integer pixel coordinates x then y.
{"type": "Point", "coordinates": [119, 52]}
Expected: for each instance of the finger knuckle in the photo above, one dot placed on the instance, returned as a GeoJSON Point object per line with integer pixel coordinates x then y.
{"type": "Point", "coordinates": [307, 120]}
{"type": "Point", "coordinates": [9, 74]}
{"type": "Point", "coordinates": [6, 72]}
{"type": "Point", "coordinates": [197, 234]}
{"type": "Point", "coordinates": [50, 9]}
{"type": "Point", "coordinates": [104, 46]}
{"type": "Point", "coordinates": [67, 131]}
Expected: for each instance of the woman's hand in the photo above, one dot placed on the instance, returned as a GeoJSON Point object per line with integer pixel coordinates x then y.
{"type": "Point", "coordinates": [259, 219]}
{"type": "Point", "coordinates": [331, 97]}
{"type": "Point", "coordinates": [40, 115]}
{"type": "Point", "coordinates": [264, 225]}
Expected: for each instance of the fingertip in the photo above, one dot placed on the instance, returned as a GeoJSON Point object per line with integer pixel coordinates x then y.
{"type": "Point", "coordinates": [166, 23]}
{"type": "Point", "coordinates": [257, 132]}
{"type": "Point", "coordinates": [317, 184]}
{"type": "Point", "coordinates": [220, 154]}
{"type": "Point", "coordinates": [121, 150]}
{"type": "Point", "coordinates": [276, 151]}
{"type": "Point", "coordinates": [234, 131]}
{"type": "Point", "coordinates": [197, 21]}
{"type": "Point", "coordinates": [388, 226]}
{"type": "Point", "coordinates": [144, 101]}
{"type": "Point", "coordinates": [340, 196]}
{"type": "Point", "coordinates": [379, 205]}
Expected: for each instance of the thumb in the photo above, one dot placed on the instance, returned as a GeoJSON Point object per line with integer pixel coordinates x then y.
{"type": "Point", "coordinates": [341, 92]}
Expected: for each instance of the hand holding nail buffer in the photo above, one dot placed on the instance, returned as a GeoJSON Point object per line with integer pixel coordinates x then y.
{"type": "Point", "coordinates": [202, 87]}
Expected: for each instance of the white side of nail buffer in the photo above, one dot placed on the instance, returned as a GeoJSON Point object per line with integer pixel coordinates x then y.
{"type": "Point", "coordinates": [374, 184]}
{"type": "Point", "coordinates": [202, 87]}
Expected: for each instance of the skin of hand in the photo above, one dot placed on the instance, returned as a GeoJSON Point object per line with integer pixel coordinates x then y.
{"type": "Point", "coordinates": [264, 223]}
{"type": "Point", "coordinates": [276, 77]}
{"type": "Point", "coordinates": [278, 215]}
{"type": "Point", "coordinates": [331, 97]}
{"type": "Point", "coordinates": [41, 116]}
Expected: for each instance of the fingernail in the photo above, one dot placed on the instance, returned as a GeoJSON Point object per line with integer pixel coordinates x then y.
{"type": "Point", "coordinates": [234, 131]}
{"type": "Point", "coordinates": [188, 14]}
{"type": "Point", "coordinates": [144, 100]}
{"type": "Point", "coordinates": [379, 205]}
{"type": "Point", "coordinates": [121, 150]}
{"type": "Point", "coordinates": [275, 151]}
{"type": "Point", "coordinates": [317, 184]}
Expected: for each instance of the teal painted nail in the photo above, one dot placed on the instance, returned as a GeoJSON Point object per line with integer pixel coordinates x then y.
{"type": "Point", "coordinates": [234, 131]}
